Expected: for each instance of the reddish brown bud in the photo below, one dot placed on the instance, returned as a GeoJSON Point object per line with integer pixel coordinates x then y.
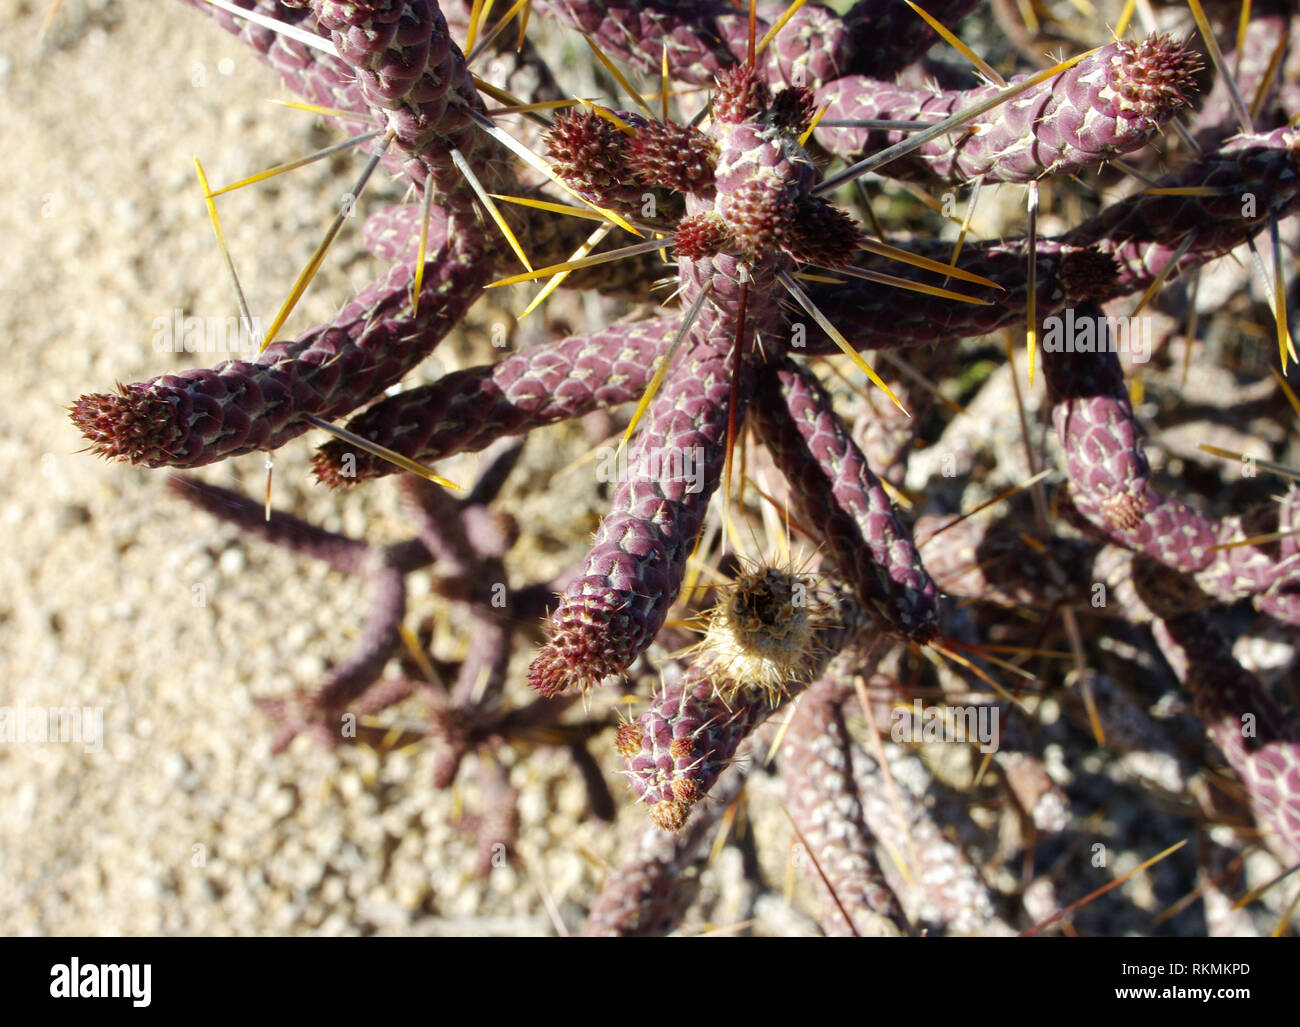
{"type": "Point", "coordinates": [741, 95]}
{"type": "Point", "coordinates": [673, 157]}
{"type": "Point", "coordinates": [757, 215]}
{"type": "Point", "coordinates": [820, 233]}
{"type": "Point", "coordinates": [588, 152]}
{"type": "Point", "coordinates": [584, 648]}
{"type": "Point", "coordinates": [1157, 73]}
{"type": "Point", "coordinates": [764, 215]}
{"type": "Point", "coordinates": [701, 235]}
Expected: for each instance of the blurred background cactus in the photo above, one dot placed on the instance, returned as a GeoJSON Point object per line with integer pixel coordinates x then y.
{"type": "Point", "coordinates": [985, 718]}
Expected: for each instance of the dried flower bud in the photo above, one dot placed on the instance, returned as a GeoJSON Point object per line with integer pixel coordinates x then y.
{"type": "Point", "coordinates": [763, 631]}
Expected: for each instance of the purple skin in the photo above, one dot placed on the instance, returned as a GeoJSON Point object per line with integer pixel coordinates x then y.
{"type": "Point", "coordinates": [468, 410]}
{"type": "Point", "coordinates": [746, 186]}
{"type": "Point", "coordinates": [1110, 488]}
{"type": "Point", "coordinates": [1259, 737]}
{"type": "Point", "coordinates": [705, 37]}
{"type": "Point", "coordinates": [848, 815]}
{"type": "Point", "coordinates": [991, 562]}
{"type": "Point", "coordinates": [835, 489]}
{"type": "Point", "coordinates": [1103, 107]}
{"type": "Point", "coordinates": [620, 600]}
{"type": "Point", "coordinates": [818, 761]}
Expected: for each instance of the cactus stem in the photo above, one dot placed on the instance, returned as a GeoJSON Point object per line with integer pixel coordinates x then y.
{"type": "Point", "coordinates": [776, 27]}
{"type": "Point", "coordinates": [1158, 282]}
{"type": "Point", "coordinates": [941, 128]}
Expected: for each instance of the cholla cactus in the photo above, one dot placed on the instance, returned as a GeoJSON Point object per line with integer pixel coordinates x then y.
{"type": "Point", "coordinates": [768, 268]}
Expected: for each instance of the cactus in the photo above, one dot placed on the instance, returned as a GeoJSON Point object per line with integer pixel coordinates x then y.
{"type": "Point", "coordinates": [769, 269]}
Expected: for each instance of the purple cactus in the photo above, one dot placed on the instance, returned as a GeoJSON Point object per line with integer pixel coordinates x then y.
{"type": "Point", "coordinates": [769, 269]}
